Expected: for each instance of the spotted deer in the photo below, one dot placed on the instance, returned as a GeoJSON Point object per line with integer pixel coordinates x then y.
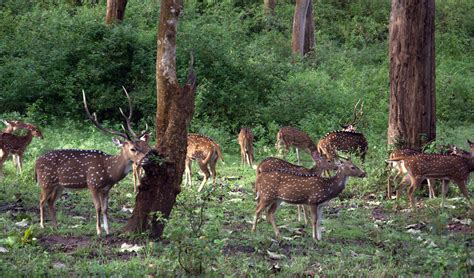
{"type": "Point", "coordinates": [16, 145]}
{"type": "Point", "coordinates": [206, 152]}
{"type": "Point", "coordinates": [437, 166]}
{"type": "Point", "coordinates": [402, 172]}
{"type": "Point", "coordinates": [272, 164]}
{"type": "Point", "coordinates": [344, 141]}
{"type": "Point", "coordinates": [292, 137]}
{"type": "Point", "coordinates": [297, 188]}
{"type": "Point", "coordinates": [92, 169]}
{"type": "Point", "coordinates": [245, 140]}
{"type": "Point", "coordinates": [12, 126]}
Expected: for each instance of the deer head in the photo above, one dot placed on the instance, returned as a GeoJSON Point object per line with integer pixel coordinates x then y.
{"type": "Point", "coordinates": [357, 116]}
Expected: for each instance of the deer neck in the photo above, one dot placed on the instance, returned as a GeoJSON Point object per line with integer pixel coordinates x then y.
{"type": "Point", "coordinates": [336, 184]}
{"type": "Point", "coordinates": [120, 166]}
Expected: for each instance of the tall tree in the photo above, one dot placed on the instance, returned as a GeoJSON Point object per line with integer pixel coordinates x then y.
{"type": "Point", "coordinates": [269, 6]}
{"type": "Point", "coordinates": [302, 40]}
{"type": "Point", "coordinates": [412, 115]}
{"type": "Point", "coordinates": [115, 11]}
{"type": "Point", "coordinates": [175, 107]}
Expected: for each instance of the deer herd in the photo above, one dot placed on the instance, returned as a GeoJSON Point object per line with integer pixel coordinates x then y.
{"type": "Point", "coordinates": [277, 180]}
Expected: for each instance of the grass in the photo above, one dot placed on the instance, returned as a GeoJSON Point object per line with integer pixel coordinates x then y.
{"type": "Point", "coordinates": [363, 234]}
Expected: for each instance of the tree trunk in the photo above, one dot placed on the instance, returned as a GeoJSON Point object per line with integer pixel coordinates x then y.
{"type": "Point", "coordinates": [412, 115]}
{"type": "Point", "coordinates": [115, 11]}
{"type": "Point", "coordinates": [309, 30]}
{"type": "Point", "coordinates": [269, 6]}
{"type": "Point", "coordinates": [302, 39]}
{"type": "Point", "coordinates": [175, 107]}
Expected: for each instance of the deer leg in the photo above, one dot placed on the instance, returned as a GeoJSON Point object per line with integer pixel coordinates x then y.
{"type": "Point", "coordinates": [104, 202]}
{"type": "Point", "coordinates": [402, 184]}
{"type": "Point", "coordinates": [414, 184]}
{"type": "Point", "coordinates": [463, 188]}
{"type": "Point", "coordinates": [212, 167]}
{"type": "Point", "coordinates": [188, 169]}
{"type": "Point", "coordinates": [444, 190]}
{"type": "Point", "coordinates": [431, 184]}
{"type": "Point", "coordinates": [19, 158]}
{"type": "Point", "coordinates": [43, 197]}
{"type": "Point", "coordinates": [3, 157]}
{"type": "Point", "coordinates": [260, 207]}
{"type": "Point", "coordinates": [271, 216]}
{"type": "Point", "coordinates": [298, 156]}
{"type": "Point", "coordinates": [96, 200]}
{"type": "Point", "coordinates": [206, 172]}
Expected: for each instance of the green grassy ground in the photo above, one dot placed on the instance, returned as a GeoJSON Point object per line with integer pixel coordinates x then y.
{"type": "Point", "coordinates": [209, 232]}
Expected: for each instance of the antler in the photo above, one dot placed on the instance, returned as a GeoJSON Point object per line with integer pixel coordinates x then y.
{"type": "Point", "coordinates": [129, 117]}
{"type": "Point", "coordinates": [93, 119]}
{"type": "Point", "coordinates": [357, 114]}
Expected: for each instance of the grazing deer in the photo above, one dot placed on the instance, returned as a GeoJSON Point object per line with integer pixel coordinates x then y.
{"type": "Point", "coordinates": [16, 145]}
{"type": "Point", "coordinates": [206, 152]}
{"type": "Point", "coordinates": [272, 164]}
{"type": "Point", "coordinates": [351, 142]}
{"type": "Point", "coordinates": [246, 145]}
{"type": "Point", "coordinates": [292, 137]}
{"type": "Point", "coordinates": [437, 166]}
{"type": "Point", "coordinates": [402, 172]}
{"type": "Point", "coordinates": [92, 169]}
{"type": "Point", "coordinates": [296, 188]}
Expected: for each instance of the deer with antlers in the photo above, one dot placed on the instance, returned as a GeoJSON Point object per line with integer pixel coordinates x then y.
{"type": "Point", "coordinates": [437, 166]}
{"type": "Point", "coordinates": [346, 139]}
{"type": "Point", "coordinates": [92, 169]}
{"type": "Point", "coordinates": [16, 145]}
{"type": "Point", "coordinates": [273, 164]}
{"type": "Point", "coordinates": [292, 137]}
{"type": "Point", "coordinates": [245, 140]}
{"type": "Point", "coordinates": [206, 152]}
{"type": "Point", "coordinates": [296, 188]}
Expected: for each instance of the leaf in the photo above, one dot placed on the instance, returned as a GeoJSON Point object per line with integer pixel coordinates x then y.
{"type": "Point", "coordinates": [275, 256]}
{"type": "Point", "coordinates": [130, 248]}
{"type": "Point", "coordinates": [23, 223]}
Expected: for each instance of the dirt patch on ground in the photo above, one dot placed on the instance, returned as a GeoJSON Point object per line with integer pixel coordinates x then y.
{"type": "Point", "coordinates": [232, 249]}
{"type": "Point", "coordinates": [457, 227]}
{"type": "Point", "coordinates": [378, 214]}
{"type": "Point", "coordinates": [64, 244]}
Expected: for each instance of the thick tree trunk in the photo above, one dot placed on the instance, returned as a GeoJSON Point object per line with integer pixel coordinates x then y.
{"type": "Point", "coordinates": [161, 183]}
{"type": "Point", "coordinates": [269, 6]}
{"type": "Point", "coordinates": [115, 11]}
{"type": "Point", "coordinates": [309, 30]}
{"type": "Point", "coordinates": [302, 40]}
{"type": "Point", "coordinates": [412, 115]}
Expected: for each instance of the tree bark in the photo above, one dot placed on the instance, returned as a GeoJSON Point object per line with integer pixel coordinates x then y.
{"type": "Point", "coordinates": [175, 107]}
{"type": "Point", "coordinates": [269, 6]}
{"type": "Point", "coordinates": [302, 40]}
{"type": "Point", "coordinates": [115, 11]}
{"type": "Point", "coordinates": [309, 30]}
{"type": "Point", "coordinates": [412, 115]}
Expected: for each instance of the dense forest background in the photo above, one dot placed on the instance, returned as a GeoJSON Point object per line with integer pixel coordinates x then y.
{"type": "Point", "coordinates": [247, 76]}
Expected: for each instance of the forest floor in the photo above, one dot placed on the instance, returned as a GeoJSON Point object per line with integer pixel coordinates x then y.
{"type": "Point", "coordinates": [210, 233]}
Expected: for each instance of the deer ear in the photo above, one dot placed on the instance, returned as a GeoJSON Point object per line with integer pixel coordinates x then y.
{"type": "Point", "coordinates": [145, 137]}
{"type": "Point", "coordinates": [7, 123]}
{"type": "Point", "coordinates": [117, 142]}
{"type": "Point", "coordinates": [469, 142]}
